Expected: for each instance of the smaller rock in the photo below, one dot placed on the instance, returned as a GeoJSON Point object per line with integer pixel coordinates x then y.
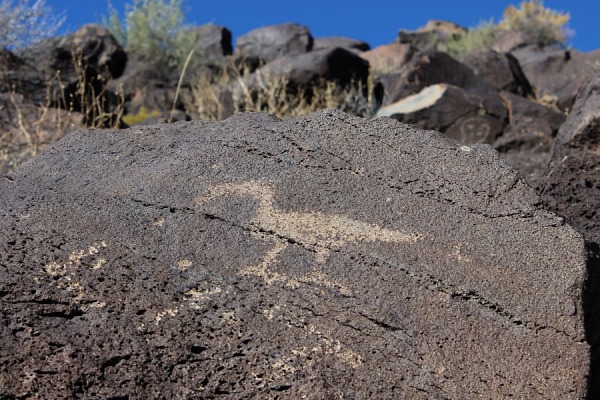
{"type": "Point", "coordinates": [338, 41]}
{"type": "Point", "coordinates": [426, 69]}
{"type": "Point", "coordinates": [469, 116]}
{"type": "Point", "coordinates": [555, 72]}
{"type": "Point", "coordinates": [388, 58]}
{"type": "Point", "coordinates": [271, 42]}
{"type": "Point", "coordinates": [214, 42]}
{"type": "Point", "coordinates": [427, 37]}
{"type": "Point", "coordinates": [500, 69]}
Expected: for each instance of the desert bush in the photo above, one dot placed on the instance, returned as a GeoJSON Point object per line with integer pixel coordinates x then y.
{"type": "Point", "coordinates": [154, 31]}
{"type": "Point", "coordinates": [26, 22]}
{"type": "Point", "coordinates": [543, 24]}
{"type": "Point", "coordinates": [214, 97]}
{"type": "Point", "coordinates": [476, 38]}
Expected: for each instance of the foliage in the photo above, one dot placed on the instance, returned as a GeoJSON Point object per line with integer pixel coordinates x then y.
{"type": "Point", "coordinates": [142, 115]}
{"type": "Point", "coordinates": [545, 25]}
{"type": "Point", "coordinates": [476, 38]}
{"type": "Point", "coordinates": [26, 22]}
{"type": "Point", "coordinates": [153, 30]}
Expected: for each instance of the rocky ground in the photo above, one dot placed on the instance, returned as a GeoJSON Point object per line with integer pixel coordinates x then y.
{"type": "Point", "coordinates": [324, 256]}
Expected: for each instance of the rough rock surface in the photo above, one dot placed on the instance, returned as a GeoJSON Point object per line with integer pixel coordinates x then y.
{"type": "Point", "coordinates": [321, 257]}
{"type": "Point", "coordinates": [214, 42]}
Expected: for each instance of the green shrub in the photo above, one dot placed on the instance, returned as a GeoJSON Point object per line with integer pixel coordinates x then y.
{"type": "Point", "coordinates": [476, 38]}
{"type": "Point", "coordinates": [26, 22]}
{"type": "Point", "coordinates": [154, 31]}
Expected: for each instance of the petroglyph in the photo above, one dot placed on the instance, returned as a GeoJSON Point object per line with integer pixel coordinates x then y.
{"type": "Point", "coordinates": [317, 231]}
{"type": "Point", "coordinates": [66, 273]}
{"type": "Point", "coordinates": [193, 298]}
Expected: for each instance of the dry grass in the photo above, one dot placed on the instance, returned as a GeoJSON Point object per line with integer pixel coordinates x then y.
{"type": "Point", "coordinates": [232, 90]}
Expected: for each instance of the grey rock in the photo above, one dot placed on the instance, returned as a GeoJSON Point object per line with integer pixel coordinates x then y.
{"type": "Point", "coordinates": [274, 41]}
{"type": "Point", "coordinates": [214, 42]}
{"type": "Point", "coordinates": [557, 73]}
{"type": "Point", "coordinates": [319, 257]}
{"type": "Point", "coordinates": [426, 69]}
{"type": "Point", "coordinates": [340, 41]}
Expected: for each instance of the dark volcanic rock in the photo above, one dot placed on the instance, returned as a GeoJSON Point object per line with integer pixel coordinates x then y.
{"type": "Point", "coordinates": [338, 41]}
{"type": "Point", "coordinates": [571, 184]}
{"type": "Point", "coordinates": [214, 42]}
{"type": "Point", "coordinates": [58, 65]}
{"type": "Point", "coordinates": [528, 139]}
{"type": "Point", "coordinates": [468, 116]}
{"type": "Point", "coordinates": [500, 69]}
{"type": "Point", "coordinates": [427, 69]}
{"type": "Point", "coordinates": [556, 73]}
{"type": "Point", "coordinates": [271, 42]}
{"type": "Point", "coordinates": [320, 257]}
{"type": "Point", "coordinates": [305, 70]}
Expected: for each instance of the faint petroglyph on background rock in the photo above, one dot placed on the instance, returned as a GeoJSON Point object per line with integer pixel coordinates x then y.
{"type": "Point", "coordinates": [316, 231]}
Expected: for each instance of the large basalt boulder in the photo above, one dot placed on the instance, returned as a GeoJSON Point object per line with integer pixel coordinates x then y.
{"type": "Point", "coordinates": [468, 116]}
{"type": "Point", "coordinates": [325, 256]}
{"type": "Point", "coordinates": [266, 44]}
{"type": "Point", "coordinates": [388, 58]}
{"type": "Point", "coordinates": [571, 184]}
{"type": "Point", "coordinates": [340, 41]}
{"type": "Point", "coordinates": [557, 73]}
{"type": "Point", "coordinates": [428, 69]}
{"type": "Point", "coordinates": [500, 69]}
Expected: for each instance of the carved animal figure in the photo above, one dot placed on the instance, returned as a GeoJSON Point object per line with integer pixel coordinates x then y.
{"type": "Point", "coordinates": [320, 232]}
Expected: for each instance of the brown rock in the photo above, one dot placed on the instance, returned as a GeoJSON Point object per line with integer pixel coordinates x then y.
{"type": "Point", "coordinates": [388, 58]}
{"type": "Point", "coordinates": [326, 256]}
{"type": "Point", "coordinates": [427, 37]}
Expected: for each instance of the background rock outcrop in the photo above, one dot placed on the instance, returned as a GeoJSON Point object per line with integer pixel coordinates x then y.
{"type": "Point", "coordinates": [324, 256]}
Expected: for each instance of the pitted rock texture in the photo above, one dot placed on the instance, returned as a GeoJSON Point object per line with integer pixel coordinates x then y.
{"type": "Point", "coordinates": [320, 257]}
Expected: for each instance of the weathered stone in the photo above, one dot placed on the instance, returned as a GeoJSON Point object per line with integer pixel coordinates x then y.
{"type": "Point", "coordinates": [339, 41]}
{"type": "Point", "coordinates": [427, 37]}
{"type": "Point", "coordinates": [271, 42]}
{"type": "Point", "coordinates": [428, 69]}
{"type": "Point", "coordinates": [388, 58]}
{"type": "Point", "coordinates": [500, 69]}
{"type": "Point", "coordinates": [468, 116]}
{"type": "Point", "coordinates": [527, 141]}
{"type": "Point", "coordinates": [557, 73]}
{"type": "Point", "coordinates": [325, 256]}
